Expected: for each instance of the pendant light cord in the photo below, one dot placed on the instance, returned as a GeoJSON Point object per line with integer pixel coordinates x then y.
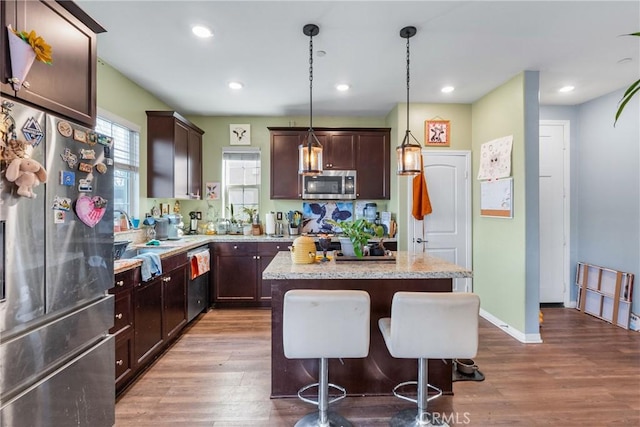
{"type": "Point", "coordinates": [311, 82]}
{"type": "Point", "coordinates": [408, 78]}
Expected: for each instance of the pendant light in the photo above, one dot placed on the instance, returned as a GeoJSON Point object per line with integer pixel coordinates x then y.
{"type": "Point", "coordinates": [409, 152]}
{"type": "Point", "coordinates": [310, 151]}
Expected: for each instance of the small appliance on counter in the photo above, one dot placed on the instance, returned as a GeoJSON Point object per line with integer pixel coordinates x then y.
{"type": "Point", "coordinates": [193, 223]}
{"type": "Point", "coordinates": [174, 229]}
{"type": "Point", "coordinates": [162, 228]}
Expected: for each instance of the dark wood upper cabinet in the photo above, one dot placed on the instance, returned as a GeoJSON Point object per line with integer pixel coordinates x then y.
{"type": "Point", "coordinates": [366, 150]}
{"type": "Point", "coordinates": [174, 156]}
{"type": "Point", "coordinates": [67, 87]}
{"type": "Point", "coordinates": [372, 165]}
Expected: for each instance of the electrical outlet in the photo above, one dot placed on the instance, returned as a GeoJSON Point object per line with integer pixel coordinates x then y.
{"type": "Point", "coordinates": [279, 216]}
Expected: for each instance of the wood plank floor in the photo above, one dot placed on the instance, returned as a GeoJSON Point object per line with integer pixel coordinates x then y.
{"type": "Point", "coordinates": [586, 373]}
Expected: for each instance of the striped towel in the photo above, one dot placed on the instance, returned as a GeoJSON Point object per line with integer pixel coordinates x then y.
{"type": "Point", "coordinates": [151, 265]}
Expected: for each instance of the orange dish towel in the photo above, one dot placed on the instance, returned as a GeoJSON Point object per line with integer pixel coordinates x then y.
{"type": "Point", "coordinates": [421, 202]}
{"type": "Point", "coordinates": [199, 264]}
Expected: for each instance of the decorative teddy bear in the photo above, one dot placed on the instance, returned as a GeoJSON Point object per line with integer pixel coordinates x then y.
{"type": "Point", "coordinates": [26, 173]}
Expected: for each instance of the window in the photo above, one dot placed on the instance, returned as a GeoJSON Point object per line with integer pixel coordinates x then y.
{"type": "Point", "coordinates": [126, 159]}
{"type": "Point", "coordinates": [240, 180]}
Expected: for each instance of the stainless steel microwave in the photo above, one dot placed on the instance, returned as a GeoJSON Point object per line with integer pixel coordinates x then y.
{"type": "Point", "coordinates": [331, 185]}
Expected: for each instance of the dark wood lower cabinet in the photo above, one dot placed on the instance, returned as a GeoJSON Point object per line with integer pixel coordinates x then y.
{"type": "Point", "coordinates": [148, 319]}
{"type": "Point", "coordinates": [237, 273]}
{"type": "Point", "coordinates": [175, 302]}
{"type": "Point", "coordinates": [148, 316]}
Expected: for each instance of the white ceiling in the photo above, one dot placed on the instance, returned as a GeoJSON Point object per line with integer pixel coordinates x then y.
{"type": "Point", "coordinates": [472, 45]}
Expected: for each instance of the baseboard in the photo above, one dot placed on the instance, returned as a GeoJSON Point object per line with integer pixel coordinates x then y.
{"type": "Point", "coordinates": [519, 335]}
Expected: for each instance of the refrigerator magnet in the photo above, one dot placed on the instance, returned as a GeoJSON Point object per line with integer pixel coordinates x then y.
{"type": "Point", "coordinates": [61, 203]}
{"type": "Point", "coordinates": [69, 158]}
{"type": "Point", "coordinates": [33, 132]}
{"type": "Point", "coordinates": [84, 186]}
{"type": "Point", "coordinates": [104, 140]}
{"type": "Point", "coordinates": [101, 168]}
{"type": "Point", "coordinates": [65, 129]}
{"type": "Point", "coordinates": [92, 138]}
{"type": "Point", "coordinates": [59, 216]}
{"type": "Point", "coordinates": [67, 178]}
{"type": "Point", "coordinates": [85, 167]}
{"type": "Point", "coordinates": [87, 154]}
{"type": "Point", "coordinates": [80, 135]}
{"type": "Point", "coordinates": [90, 210]}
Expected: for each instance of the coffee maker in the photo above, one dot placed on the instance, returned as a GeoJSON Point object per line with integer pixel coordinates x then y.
{"type": "Point", "coordinates": [193, 223]}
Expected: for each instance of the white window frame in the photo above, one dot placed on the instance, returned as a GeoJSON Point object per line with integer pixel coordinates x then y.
{"type": "Point", "coordinates": [225, 185]}
{"type": "Point", "coordinates": [134, 183]}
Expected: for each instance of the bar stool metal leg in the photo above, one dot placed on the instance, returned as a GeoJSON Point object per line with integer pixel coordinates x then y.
{"type": "Point", "coordinates": [323, 418]}
{"type": "Point", "coordinates": [418, 417]}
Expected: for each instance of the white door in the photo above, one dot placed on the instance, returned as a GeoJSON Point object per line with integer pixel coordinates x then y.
{"type": "Point", "coordinates": [553, 197]}
{"type": "Point", "coordinates": [446, 232]}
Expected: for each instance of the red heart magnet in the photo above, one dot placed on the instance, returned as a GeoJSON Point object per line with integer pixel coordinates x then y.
{"type": "Point", "coordinates": [90, 210]}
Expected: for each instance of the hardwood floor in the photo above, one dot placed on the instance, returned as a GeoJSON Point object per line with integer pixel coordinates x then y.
{"type": "Point", "coordinates": [586, 372]}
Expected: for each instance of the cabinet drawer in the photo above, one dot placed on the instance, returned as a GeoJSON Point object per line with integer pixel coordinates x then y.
{"type": "Point", "coordinates": [235, 248]}
{"type": "Point", "coordinates": [173, 262]}
{"type": "Point", "coordinates": [123, 309]}
{"type": "Point", "coordinates": [125, 280]}
{"type": "Point", "coordinates": [123, 358]}
{"type": "Point", "coordinates": [272, 248]}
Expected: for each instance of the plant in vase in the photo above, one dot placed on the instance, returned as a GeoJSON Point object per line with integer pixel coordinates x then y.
{"type": "Point", "coordinates": [356, 235]}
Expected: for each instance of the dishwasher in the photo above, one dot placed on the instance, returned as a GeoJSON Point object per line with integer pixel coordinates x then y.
{"type": "Point", "coordinates": [198, 286]}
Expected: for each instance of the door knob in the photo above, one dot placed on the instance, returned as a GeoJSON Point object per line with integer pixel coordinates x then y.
{"type": "Point", "coordinates": [419, 240]}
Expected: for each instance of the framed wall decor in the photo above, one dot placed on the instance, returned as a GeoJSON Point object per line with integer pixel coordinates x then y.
{"type": "Point", "coordinates": [240, 134]}
{"type": "Point", "coordinates": [213, 190]}
{"type": "Point", "coordinates": [437, 133]}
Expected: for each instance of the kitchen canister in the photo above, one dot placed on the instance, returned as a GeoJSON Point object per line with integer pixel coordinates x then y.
{"type": "Point", "coordinates": [303, 250]}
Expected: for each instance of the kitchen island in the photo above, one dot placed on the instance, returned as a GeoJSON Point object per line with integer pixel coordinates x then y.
{"type": "Point", "coordinates": [378, 373]}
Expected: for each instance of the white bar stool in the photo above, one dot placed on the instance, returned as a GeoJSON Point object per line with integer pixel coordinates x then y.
{"type": "Point", "coordinates": [323, 324]}
{"type": "Point", "coordinates": [429, 325]}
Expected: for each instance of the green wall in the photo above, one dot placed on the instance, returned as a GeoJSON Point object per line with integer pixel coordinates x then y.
{"type": "Point", "coordinates": [500, 245]}
{"type": "Point", "coordinates": [459, 116]}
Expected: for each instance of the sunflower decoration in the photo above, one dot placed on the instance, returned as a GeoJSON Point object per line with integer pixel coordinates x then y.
{"type": "Point", "coordinates": [37, 43]}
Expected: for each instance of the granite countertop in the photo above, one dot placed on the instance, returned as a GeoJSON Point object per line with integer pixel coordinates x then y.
{"type": "Point", "coordinates": [172, 247]}
{"type": "Point", "coordinates": [407, 266]}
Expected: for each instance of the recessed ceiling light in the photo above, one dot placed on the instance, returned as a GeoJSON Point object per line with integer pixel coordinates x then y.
{"type": "Point", "coordinates": [566, 89]}
{"type": "Point", "coordinates": [235, 85]}
{"type": "Point", "coordinates": [202, 32]}
{"type": "Point", "coordinates": [342, 87]}
{"type": "Point", "coordinates": [447, 89]}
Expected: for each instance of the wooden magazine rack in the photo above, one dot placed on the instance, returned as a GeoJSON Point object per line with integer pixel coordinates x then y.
{"type": "Point", "coordinates": [605, 293]}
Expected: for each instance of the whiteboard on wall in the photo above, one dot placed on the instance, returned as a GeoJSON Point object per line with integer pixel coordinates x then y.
{"type": "Point", "coordinates": [496, 198]}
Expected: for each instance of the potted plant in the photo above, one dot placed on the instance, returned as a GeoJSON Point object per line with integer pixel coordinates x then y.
{"type": "Point", "coordinates": [629, 93]}
{"type": "Point", "coordinates": [356, 235]}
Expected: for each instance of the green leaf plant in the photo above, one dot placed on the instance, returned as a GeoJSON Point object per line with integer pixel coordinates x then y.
{"type": "Point", "coordinates": [629, 93]}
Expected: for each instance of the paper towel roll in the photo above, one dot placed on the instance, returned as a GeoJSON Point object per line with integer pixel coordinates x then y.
{"type": "Point", "coordinates": [270, 223]}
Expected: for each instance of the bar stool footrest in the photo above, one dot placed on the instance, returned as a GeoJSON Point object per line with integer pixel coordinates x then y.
{"type": "Point", "coordinates": [315, 402]}
{"type": "Point", "coordinates": [406, 383]}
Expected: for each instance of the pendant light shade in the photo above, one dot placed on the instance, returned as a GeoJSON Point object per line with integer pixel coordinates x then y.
{"type": "Point", "coordinates": [409, 152]}
{"type": "Point", "coordinates": [310, 150]}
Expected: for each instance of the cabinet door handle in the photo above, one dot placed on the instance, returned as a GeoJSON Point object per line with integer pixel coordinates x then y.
{"type": "Point", "coordinates": [254, 257]}
{"type": "Point", "coordinates": [235, 247]}
{"type": "Point", "coordinates": [120, 362]}
{"type": "Point", "coordinates": [166, 279]}
{"type": "Point", "coordinates": [120, 283]}
{"type": "Point", "coordinates": [278, 247]}
{"type": "Point", "coordinates": [119, 316]}
{"type": "Point", "coordinates": [258, 257]}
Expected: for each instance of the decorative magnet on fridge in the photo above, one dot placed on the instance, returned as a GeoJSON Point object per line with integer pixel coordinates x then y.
{"type": "Point", "coordinates": [25, 48]}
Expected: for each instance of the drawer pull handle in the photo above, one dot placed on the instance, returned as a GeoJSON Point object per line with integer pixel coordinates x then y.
{"type": "Point", "coordinates": [235, 246]}
{"type": "Point", "coordinates": [120, 283]}
{"type": "Point", "coordinates": [278, 247]}
{"type": "Point", "coordinates": [120, 362]}
{"type": "Point", "coordinates": [119, 316]}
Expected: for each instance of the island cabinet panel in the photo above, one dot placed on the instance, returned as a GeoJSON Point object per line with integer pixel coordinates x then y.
{"type": "Point", "coordinates": [266, 252]}
{"type": "Point", "coordinates": [68, 86]}
{"type": "Point", "coordinates": [379, 372]}
{"type": "Point", "coordinates": [174, 156]}
{"type": "Point", "coordinates": [366, 150]}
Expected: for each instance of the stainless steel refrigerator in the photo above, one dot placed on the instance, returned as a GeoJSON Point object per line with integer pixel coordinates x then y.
{"type": "Point", "coordinates": [56, 238]}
